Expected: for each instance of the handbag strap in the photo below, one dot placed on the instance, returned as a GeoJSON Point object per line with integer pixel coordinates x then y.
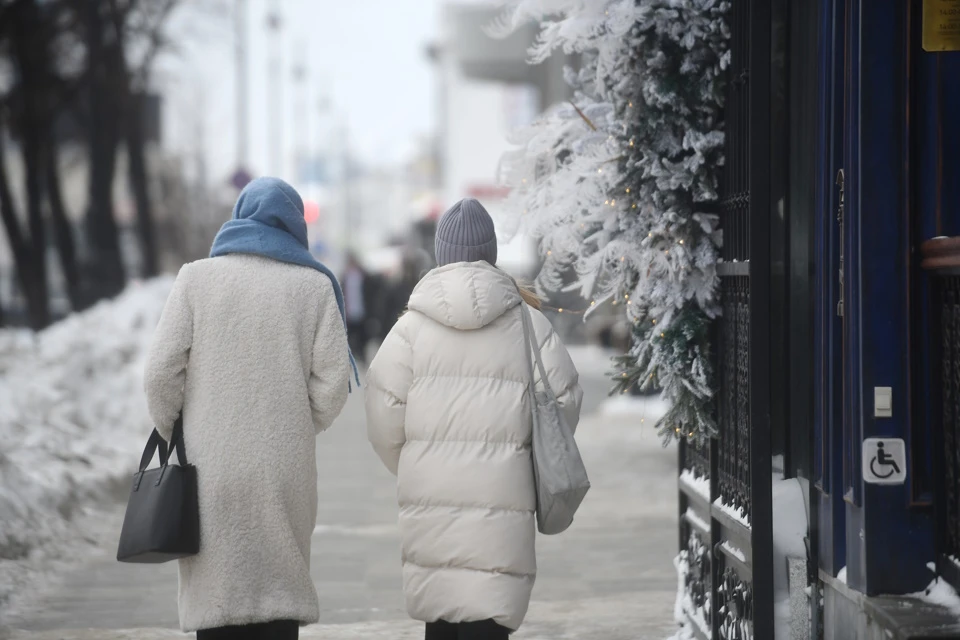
{"type": "Point", "coordinates": [529, 344]}
{"type": "Point", "coordinates": [156, 442]}
{"type": "Point", "coordinates": [534, 347]}
{"type": "Point", "coordinates": [176, 441]}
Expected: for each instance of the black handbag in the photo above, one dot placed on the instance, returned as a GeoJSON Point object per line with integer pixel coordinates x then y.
{"type": "Point", "coordinates": [162, 521]}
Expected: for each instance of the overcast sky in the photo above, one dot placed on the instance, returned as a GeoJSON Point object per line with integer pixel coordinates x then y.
{"type": "Point", "coordinates": [368, 56]}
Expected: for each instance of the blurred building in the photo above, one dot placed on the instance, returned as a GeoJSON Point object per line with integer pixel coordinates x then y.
{"type": "Point", "coordinates": [485, 90]}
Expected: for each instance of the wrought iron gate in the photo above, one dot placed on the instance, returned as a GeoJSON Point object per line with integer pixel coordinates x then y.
{"type": "Point", "coordinates": [941, 259]}
{"type": "Point", "coordinates": [725, 505]}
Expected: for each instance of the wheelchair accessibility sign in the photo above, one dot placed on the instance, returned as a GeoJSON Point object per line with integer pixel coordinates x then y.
{"type": "Point", "coordinates": [884, 461]}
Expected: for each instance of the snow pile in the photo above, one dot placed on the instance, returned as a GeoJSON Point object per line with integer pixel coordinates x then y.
{"type": "Point", "coordinates": [790, 515]}
{"type": "Point", "coordinates": [942, 594]}
{"type": "Point", "coordinates": [73, 421]}
{"type": "Point", "coordinates": [700, 484]}
{"type": "Point", "coordinates": [736, 513]}
{"type": "Point", "coordinates": [685, 610]}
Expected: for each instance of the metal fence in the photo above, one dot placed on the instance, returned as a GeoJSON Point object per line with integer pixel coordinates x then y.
{"type": "Point", "coordinates": [725, 504]}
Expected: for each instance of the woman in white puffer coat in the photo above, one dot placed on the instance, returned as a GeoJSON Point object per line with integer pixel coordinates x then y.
{"type": "Point", "coordinates": [448, 411]}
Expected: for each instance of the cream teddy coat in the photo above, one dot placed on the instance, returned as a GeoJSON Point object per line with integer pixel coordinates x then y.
{"type": "Point", "coordinates": [255, 353]}
{"type": "Point", "coordinates": [449, 413]}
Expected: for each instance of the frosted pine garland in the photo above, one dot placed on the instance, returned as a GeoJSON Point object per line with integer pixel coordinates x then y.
{"type": "Point", "coordinates": [620, 184]}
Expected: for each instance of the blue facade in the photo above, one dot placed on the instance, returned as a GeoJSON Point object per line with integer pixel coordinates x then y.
{"type": "Point", "coordinates": [889, 131]}
{"type": "Point", "coordinates": [842, 177]}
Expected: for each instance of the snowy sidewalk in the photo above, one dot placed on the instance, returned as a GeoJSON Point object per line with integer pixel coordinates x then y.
{"type": "Point", "coordinates": [611, 576]}
{"type": "Point", "coordinates": [613, 618]}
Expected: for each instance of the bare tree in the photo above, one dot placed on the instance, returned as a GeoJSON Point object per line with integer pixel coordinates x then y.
{"type": "Point", "coordinates": [91, 60]}
{"type": "Point", "coordinates": [139, 28]}
{"type": "Point", "coordinates": [28, 110]}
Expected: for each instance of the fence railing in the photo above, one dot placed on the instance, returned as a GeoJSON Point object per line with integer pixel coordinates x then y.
{"type": "Point", "coordinates": [941, 257]}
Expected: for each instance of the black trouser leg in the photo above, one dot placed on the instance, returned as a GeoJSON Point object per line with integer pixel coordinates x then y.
{"type": "Point", "coordinates": [357, 339]}
{"type": "Point", "coordinates": [280, 630]}
{"type": "Point", "coordinates": [276, 630]}
{"type": "Point", "coordinates": [482, 630]}
{"type": "Point", "coordinates": [227, 633]}
{"type": "Point", "coordinates": [441, 630]}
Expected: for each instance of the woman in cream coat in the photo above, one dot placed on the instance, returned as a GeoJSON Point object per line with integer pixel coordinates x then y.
{"type": "Point", "coordinates": [251, 347]}
{"type": "Point", "coordinates": [448, 411]}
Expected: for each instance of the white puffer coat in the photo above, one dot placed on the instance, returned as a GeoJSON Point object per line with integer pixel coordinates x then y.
{"type": "Point", "coordinates": [448, 412]}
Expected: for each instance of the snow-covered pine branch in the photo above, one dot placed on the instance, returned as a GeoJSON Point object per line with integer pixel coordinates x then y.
{"type": "Point", "coordinates": [621, 182]}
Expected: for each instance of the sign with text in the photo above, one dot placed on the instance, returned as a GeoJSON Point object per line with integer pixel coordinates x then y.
{"type": "Point", "coordinates": [941, 25]}
{"type": "Point", "coordinates": [884, 461]}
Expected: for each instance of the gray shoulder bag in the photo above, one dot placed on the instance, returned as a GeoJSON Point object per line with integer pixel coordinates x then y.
{"type": "Point", "coordinates": [558, 471]}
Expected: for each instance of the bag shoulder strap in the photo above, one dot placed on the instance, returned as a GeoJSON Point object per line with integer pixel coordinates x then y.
{"type": "Point", "coordinates": [529, 344]}
{"type": "Point", "coordinates": [534, 346]}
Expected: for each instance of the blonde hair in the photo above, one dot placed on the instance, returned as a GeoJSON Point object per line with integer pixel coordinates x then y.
{"type": "Point", "coordinates": [529, 296]}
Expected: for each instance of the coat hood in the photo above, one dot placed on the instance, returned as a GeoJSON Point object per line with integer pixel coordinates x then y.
{"type": "Point", "coordinates": [465, 295]}
{"type": "Point", "coordinates": [274, 203]}
{"type": "Point", "coordinates": [268, 221]}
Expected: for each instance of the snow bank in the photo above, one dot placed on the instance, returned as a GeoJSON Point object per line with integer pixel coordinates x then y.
{"type": "Point", "coordinates": [73, 420]}
{"type": "Point", "coordinates": [790, 516]}
{"type": "Point", "coordinates": [940, 593]}
{"type": "Point", "coordinates": [685, 611]}
{"type": "Point", "coordinates": [842, 576]}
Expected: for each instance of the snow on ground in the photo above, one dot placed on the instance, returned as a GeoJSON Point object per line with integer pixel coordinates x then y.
{"type": "Point", "coordinates": [939, 592]}
{"type": "Point", "coordinates": [611, 617]}
{"type": "Point", "coordinates": [72, 417]}
{"type": "Point", "coordinates": [789, 530]}
{"type": "Point", "coordinates": [592, 360]}
{"type": "Point", "coordinates": [647, 408]}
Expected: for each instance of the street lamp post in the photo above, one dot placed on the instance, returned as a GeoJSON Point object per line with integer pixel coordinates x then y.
{"type": "Point", "coordinates": [240, 23]}
{"type": "Point", "coordinates": [274, 98]}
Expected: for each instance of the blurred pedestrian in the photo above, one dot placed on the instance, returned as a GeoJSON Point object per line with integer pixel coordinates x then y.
{"type": "Point", "coordinates": [251, 347]}
{"type": "Point", "coordinates": [397, 295]}
{"type": "Point", "coordinates": [356, 297]}
{"type": "Point", "coordinates": [448, 411]}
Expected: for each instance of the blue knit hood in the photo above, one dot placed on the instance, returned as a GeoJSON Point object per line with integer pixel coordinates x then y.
{"type": "Point", "coordinates": [268, 221]}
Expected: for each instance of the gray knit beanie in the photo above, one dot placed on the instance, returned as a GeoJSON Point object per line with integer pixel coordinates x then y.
{"type": "Point", "coordinates": [465, 233]}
